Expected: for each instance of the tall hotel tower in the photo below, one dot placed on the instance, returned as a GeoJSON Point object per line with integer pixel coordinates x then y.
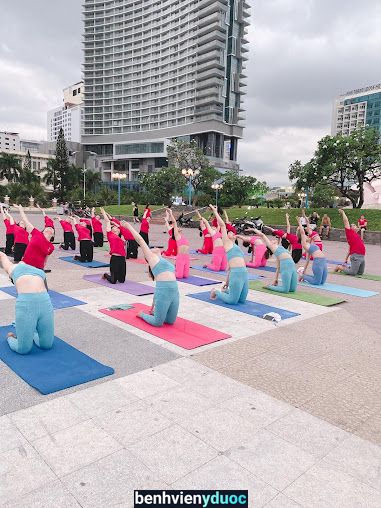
{"type": "Point", "coordinates": [160, 69]}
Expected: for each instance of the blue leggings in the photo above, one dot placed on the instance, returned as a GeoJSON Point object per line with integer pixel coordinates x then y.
{"type": "Point", "coordinates": [166, 304]}
{"type": "Point", "coordinates": [34, 323]}
{"type": "Point", "coordinates": [319, 270]}
{"type": "Point", "coordinates": [289, 277]}
{"type": "Point", "coordinates": [238, 287]}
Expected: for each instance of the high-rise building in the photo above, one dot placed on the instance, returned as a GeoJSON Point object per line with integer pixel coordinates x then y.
{"type": "Point", "coordinates": [357, 108]}
{"type": "Point", "coordinates": [161, 69]}
{"type": "Point", "coordinates": [9, 141]}
{"type": "Point", "coordinates": [68, 116]}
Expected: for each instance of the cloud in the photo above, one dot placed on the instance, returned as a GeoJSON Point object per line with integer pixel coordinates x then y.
{"type": "Point", "coordinates": [302, 55]}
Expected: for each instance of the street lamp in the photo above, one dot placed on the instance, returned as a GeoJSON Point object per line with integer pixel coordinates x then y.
{"type": "Point", "coordinates": [189, 174]}
{"type": "Point", "coordinates": [217, 187]}
{"type": "Point", "coordinates": [84, 169]}
{"type": "Point", "coordinates": [119, 177]}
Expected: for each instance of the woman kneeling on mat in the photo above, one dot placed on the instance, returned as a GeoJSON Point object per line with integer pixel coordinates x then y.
{"type": "Point", "coordinates": [117, 252]}
{"type": "Point", "coordinates": [166, 297]}
{"type": "Point", "coordinates": [237, 284]}
{"type": "Point", "coordinates": [34, 311]}
{"type": "Point", "coordinates": [285, 267]}
{"type": "Point", "coordinates": [219, 261]}
{"type": "Point", "coordinates": [259, 251]}
{"type": "Point", "coordinates": [182, 258]}
{"type": "Point", "coordinates": [319, 263]}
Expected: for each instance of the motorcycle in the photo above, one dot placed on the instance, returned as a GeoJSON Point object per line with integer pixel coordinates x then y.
{"type": "Point", "coordinates": [244, 225]}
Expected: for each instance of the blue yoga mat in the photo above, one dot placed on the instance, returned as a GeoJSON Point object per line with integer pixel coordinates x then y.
{"type": "Point", "coordinates": [199, 281]}
{"type": "Point", "coordinates": [345, 290]}
{"type": "Point", "coordinates": [91, 264]}
{"type": "Point", "coordinates": [252, 276]}
{"type": "Point", "coordinates": [265, 268]}
{"type": "Point", "coordinates": [50, 371]}
{"type": "Point", "coordinates": [333, 262]}
{"type": "Point", "coordinates": [59, 301]}
{"type": "Point", "coordinates": [252, 308]}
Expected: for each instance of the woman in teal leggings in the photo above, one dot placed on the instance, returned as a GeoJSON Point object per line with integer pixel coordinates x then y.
{"type": "Point", "coordinates": [34, 311]}
{"type": "Point", "coordinates": [236, 287]}
{"type": "Point", "coordinates": [285, 267]}
{"type": "Point", "coordinates": [166, 297]}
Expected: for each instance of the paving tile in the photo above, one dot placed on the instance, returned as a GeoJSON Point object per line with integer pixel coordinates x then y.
{"type": "Point", "coordinates": [131, 423]}
{"type": "Point", "coordinates": [111, 481]}
{"type": "Point", "coordinates": [309, 433]}
{"type": "Point", "coordinates": [10, 435]}
{"type": "Point", "coordinates": [324, 486]}
{"type": "Point", "coordinates": [358, 458]}
{"type": "Point", "coordinates": [172, 453]}
{"type": "Point", "coordinates": [281, 501]}
{"type": "Point", "coordinates": [53, 494]}
{"type": "Point", "coordinates": [370, 430]}
{"type": "Point", "coordinates": [223, 473]}
{"type": "Point", "coordinates": [182, 370]}
{"type": "Point", "coordinates": [73, 448]}
{"type": "Point", "coordinates": [219, 428]}
{"type": "Point", "coordinates": [215, 386]}
{"type": "Point", "coordinates": [102, 398]}
{"type": "Point", "coordinates": [145, 383]}
{"type": "Point", "coordinates": [22, 470]}
{"type": "Point", "coordinates": [271, 459]}
{"type": "Point", "coordinates": [179, 403]}
{"type": "Point", "coordinates": [47, 418]}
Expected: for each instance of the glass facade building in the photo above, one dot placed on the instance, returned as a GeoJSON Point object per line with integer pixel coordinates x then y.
{"type": "Point", "coordinates": [159, 69]}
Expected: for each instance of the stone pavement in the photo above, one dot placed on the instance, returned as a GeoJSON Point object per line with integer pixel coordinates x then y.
{"type": "Point", "coordinates": [291, 412]}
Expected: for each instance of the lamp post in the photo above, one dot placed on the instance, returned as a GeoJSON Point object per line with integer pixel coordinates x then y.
{"type": "Point", "coordinates": [119, 177]}
{"type": "Point", "coordinates": [217, 187]}
{"type": "Point", "coordinates": [189, 174]}
{"type": "Point", "coordinates": [72, 154]}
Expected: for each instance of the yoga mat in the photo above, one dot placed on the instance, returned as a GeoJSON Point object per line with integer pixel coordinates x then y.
{"type": "Point", "coordinates": [91, 264]}
{"type": "Point", "coordinates": [140, 261]}
{"type": "Point", "coordinates": [130, 287]}
{"type": "Point", "coordinates": [345, 290]}
{"type": "Point", "coordinates": [53, 370]}
{"type": "Point", "coordinates": [333, 262]}
{"type": "Point", "coordinates": [265, 268]}
{"type": "Point", "coordinates": [59, 301]}
{"type": "Point", "coordinates": [174, 257]}
{"type": "Point", "coordinates": [252, 308]}
{"type": "Point", "coordinates": [199, 281]}
{"type": "Point", "coordinates": [325, 301]}
{"type": "Point", "coordinates": [192, 251]}
{"type": "Point", "coordinates": [363, 276]}
{"type": "Point", "coordinates": [251, 276]}
{"type": "Point", "coordinates": [183, 333]}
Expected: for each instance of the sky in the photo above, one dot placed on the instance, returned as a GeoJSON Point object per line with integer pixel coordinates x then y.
{"type": "Point", "coordinates": [303, 53]}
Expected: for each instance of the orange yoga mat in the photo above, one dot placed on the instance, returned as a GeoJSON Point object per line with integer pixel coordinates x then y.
{"type": "Point", "coordinates": [183, 333]}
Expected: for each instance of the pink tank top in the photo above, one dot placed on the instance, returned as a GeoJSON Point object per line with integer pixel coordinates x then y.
{"type": "Point", "coordinates": [216, 236]}
{"type": "Point", "coordinates": [253, 239]}
{"type": "Point", "coordinates": [182, 241]}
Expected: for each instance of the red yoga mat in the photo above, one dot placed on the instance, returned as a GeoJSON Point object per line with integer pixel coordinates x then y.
{"type": "Point", "coordinates": [183, 333]}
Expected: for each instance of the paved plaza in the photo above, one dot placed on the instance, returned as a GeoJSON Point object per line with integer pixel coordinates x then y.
{"type": "Point", "coordinates": [291, 412]}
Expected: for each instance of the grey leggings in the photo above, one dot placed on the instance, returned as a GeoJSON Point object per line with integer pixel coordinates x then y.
{"type": "Point", "coordinates": [357, 265]}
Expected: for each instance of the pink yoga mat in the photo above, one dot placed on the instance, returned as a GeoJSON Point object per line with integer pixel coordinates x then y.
{"type": "Point", "coordinates": [183, 333]}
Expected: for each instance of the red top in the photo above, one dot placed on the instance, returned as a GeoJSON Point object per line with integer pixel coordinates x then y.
{"type": "Point", "coordinates": [205, 232]}
{"type": "Point", "coordinates": [49, 223]}
{"type": "Point", "coordinates": [86, 221]}
{"type": "Point", "coordinates": [66, 226]}
{"type": "Point", "coordinates": [21, 234]}
{"type": "Point", "coordinates": [279, 233]}
{"type": "Point", "coordinates": [117, 244]}
{"type": "Point", "coordinates": [126, 233]}
{"type": "Point", "coordinates": [97, 225]}
{"type": "Point", "coordinates": [147, 213]}
{"type": "Point", "coordinates": [362, 222]}
{"type": "Point", "coordinates": [144, 226]}
{"type": "Point", "coordinates": [214, 222]}
{"type": "Point", "coordinates": [293, 239]}
{"type": "Point", "coordinates": [356, 245]}
{"type": "Point", "coordinates": [39, 248]}
{"type": "Point", "coordinates": [231, 228]}
{"type": "Point", "coordinates": [117, 221]}
{"type": "Point", "coordinates": [9, 227]}
{"type": "Point", "coordinates": [83, 232]}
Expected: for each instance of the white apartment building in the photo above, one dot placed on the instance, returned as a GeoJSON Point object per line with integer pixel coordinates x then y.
{"type": "Point", "coordinates": [161, 69]}
{"type": "Point", "coordinates": [69, 116]}
{"type": "Point", "coordinates": [9, 141]}
{"type": "Point", "coordinates": [357, 108]}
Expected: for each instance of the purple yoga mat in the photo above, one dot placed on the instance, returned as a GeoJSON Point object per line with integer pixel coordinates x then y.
{"type": "Point", "coordinates": [133, 288]}
{"type": "Point", "coordinates": [199, 281]}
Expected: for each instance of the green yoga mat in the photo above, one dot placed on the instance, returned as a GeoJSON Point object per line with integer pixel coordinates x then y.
{"type": "Point", "coordinates": [364, 276]}
{"type": "Point", "coordinates": [325, 301]}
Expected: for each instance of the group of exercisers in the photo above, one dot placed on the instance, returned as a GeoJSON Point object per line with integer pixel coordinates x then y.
{"type": "Point", "coordinates": [31, 247]}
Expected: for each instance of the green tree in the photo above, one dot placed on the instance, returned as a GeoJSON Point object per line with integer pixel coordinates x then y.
{"type": "Point", "coordinates": [323, 195]}
{"type": "Point", "coordinates": [62, 166]}
{"type": "Point", "coordinates": [10, 167]}
{"type": "Point", "coordinates": [345, 162]}
{"type": "Point", "coordinates": [163, 184]}
{"type": "Point", "coordinates": [27, 176]}
{"type": "Point", "coordinates": [50, 174]}
{"type": "Point", "coordinates": [93, 180]}
{"type": "Point", "coordinates": [20, 193]}
{"type": "Point", "coordinates": [238, 189]}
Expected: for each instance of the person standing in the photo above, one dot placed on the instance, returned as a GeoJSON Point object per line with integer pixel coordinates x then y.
{"type": "Point", "coordinates": [144, 229]}
{"type": "Point", "coordinates": [135, 212]}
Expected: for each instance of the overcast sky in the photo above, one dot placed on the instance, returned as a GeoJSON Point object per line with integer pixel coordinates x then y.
{"type": "Point", "coordinates": [302, 54]}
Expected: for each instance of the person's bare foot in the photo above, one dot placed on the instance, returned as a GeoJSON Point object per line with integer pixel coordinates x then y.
{"type": "Point", "coordinates": [213, 294]}
{"type": "Point", "coordinates": [338, 268]}
{"type": "Point", "coordinates": [11, 334]}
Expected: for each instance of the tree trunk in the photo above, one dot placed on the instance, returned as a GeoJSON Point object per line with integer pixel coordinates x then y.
{"type": "Point", "coordinates": [361, 194]}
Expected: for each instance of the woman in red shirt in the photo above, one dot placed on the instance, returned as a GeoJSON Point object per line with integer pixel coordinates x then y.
{"type": "Point", "coordinates": [9, 232]}
{"type": "Point", "coordinates": [144, 230]}
{"type": "Point", "coordinates": [147, 212]}
{"type": "Point", "coordinates": [97, 228]}
{"type": "Point", "coordinates": [86, 249]}
{"type": "Point", "coordinates": [356, 251]}
{"type": "Point", "coordinates": [21, 238]}
{"type": "Point", "coordinates": [172, 244]}
{"type": "Point", "coordinates": [362, 224]}
{"type": "Point", "coordinates": [49, 223]}
{"type": "Point", "coordinates": [68, 233]}
{"type": "Point", "coordinates": [117, 252]}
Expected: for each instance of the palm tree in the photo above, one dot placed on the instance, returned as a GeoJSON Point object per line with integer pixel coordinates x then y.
{"type": "Point", "coordinates": [93, 180]}
{"type": "Point", "coordinates": [50, 176]}
{"type": "Point", "coordinates": [10, 167]}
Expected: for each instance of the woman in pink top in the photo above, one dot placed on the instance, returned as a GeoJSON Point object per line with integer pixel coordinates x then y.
{"type": "Point", "coordinates": [117, 251]}
{"type": "Point", "coordinates": [259, 250]}
{"type": "Point", "coordinates": [182, 258]}
{"type": "Point", "coordinates": [172, 244]}
{"type": "Point", "coordinates": [219, 260]}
